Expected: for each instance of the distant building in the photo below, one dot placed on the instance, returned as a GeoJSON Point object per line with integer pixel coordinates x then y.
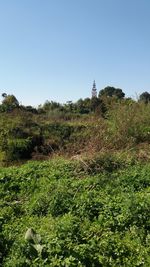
{"type": "Point", "coordinates": [94, 90]}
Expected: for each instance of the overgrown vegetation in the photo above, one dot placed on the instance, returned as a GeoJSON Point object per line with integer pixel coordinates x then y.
{"type": "Point", "coordinates": [75, 213]}
{"type": "Point", "coordinates": [109, 121]}
{"type": "Point", "coordinates": [81, 198]}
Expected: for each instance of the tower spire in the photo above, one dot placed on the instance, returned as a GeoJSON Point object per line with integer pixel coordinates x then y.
{"type": "Point", "coordinates": [94, 90]}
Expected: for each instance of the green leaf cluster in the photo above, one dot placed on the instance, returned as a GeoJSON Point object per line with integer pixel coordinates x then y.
{"type": "Point", "coordinates": [57, 213]}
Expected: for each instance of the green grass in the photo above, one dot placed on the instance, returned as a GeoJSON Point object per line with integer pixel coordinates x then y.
{"type": "Point", "coordinates": [84, 218]}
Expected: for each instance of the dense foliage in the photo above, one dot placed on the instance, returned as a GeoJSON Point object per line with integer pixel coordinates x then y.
{"type": "Point", "coordinates": [109, 121]}
{"type": "Point", "coordinates": [88, 204]}
{"type": "Point", "coordinates": [75, 213]}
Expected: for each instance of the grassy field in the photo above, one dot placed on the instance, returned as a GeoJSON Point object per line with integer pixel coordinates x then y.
{"type": "Point", "coordinates": [75, 213]}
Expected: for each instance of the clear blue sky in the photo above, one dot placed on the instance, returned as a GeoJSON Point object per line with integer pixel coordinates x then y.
{"type": "Point", "coordinates": [54, 49]}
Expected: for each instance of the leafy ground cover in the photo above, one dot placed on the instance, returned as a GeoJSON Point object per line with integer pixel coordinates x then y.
{"type": "Point", "coordinates": [75, 213]}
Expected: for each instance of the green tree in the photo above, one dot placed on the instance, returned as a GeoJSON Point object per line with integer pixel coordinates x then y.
{"type": "Point", "coordinates": [51, 105]}
{"type": "Point", "coordinates": [83, 105]}
{"type": "Point", "coordinates": [97, 105]}
{"type": "Point", "coordinates": [145, 97]}
{"type": "Point", "coordinates": [110, 91]}
{"type": "Point", "coordinates": [10, 102]}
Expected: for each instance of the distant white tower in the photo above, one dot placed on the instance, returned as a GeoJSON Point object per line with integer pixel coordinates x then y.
{"type": "Point", "coordinates": [94, 90]}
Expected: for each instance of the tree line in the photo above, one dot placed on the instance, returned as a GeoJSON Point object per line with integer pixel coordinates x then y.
{"type": "Point", "coordinates": [82, 106]}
